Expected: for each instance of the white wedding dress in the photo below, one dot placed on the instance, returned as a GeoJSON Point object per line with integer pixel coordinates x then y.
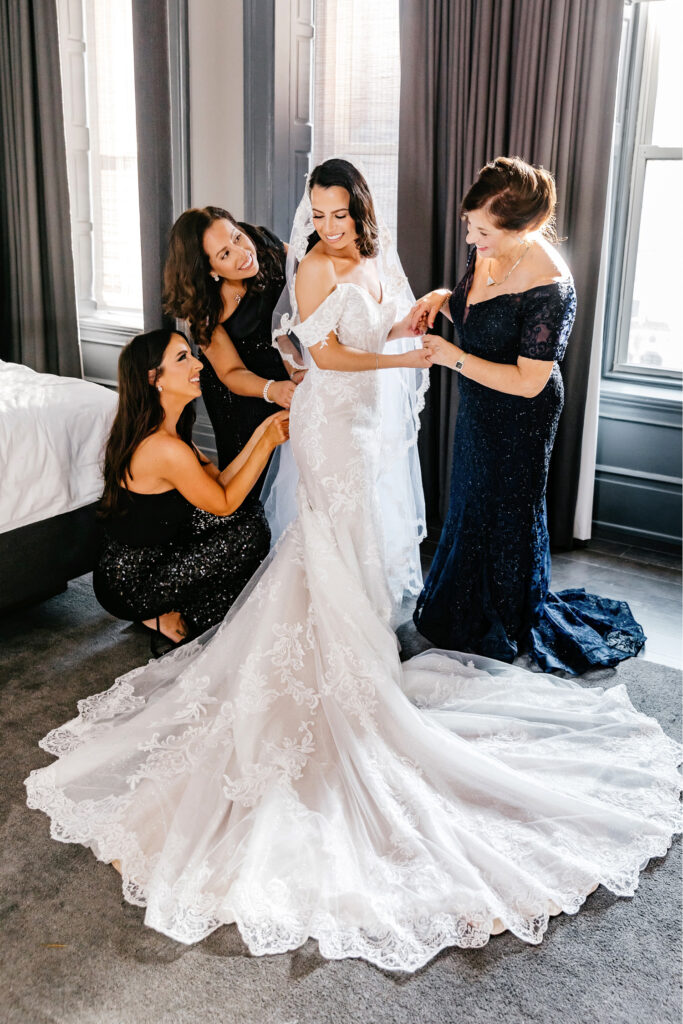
{"type": "Point", "coordinates": [286, 772]}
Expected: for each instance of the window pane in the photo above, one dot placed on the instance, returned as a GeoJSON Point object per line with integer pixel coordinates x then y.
{"type": "Point", "coordinates": [113, 155]}
{"type": "Point", "coordinates": [357, 91]}
{"type": "Point", "coordinates": [667, 128]}
{"type": "Point", "coordinates": [656, 332]}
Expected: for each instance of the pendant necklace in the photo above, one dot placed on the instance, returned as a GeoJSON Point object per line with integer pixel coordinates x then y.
{"type": "Point", "coordinates": [489, 280]}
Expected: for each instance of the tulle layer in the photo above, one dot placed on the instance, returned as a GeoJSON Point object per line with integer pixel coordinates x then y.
{"type": "Point", "coordinates": [287, 773]}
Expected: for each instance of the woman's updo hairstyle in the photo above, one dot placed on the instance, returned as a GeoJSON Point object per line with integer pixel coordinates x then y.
{"type": "Point", "coordinates": [517, 196]}
{"type": "Point", "coordinates": [344, 175]}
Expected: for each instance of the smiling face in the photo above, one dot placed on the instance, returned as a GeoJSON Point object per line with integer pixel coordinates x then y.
{"type": "Point", "coordinates": [331, 218]}
{"type": "Point", "coordinates": [178, 373]}
{"type": "Point", "coordinates": [491, 241]}
{"type": "Point", "coordinates": [231, 253]}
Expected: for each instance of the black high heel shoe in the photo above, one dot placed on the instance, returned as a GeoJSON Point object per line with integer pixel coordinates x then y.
{"type": "Point", "coordinates": [161, 644]}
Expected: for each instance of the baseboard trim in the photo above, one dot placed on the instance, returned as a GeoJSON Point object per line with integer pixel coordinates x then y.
{"type": "Point", "coordinates": [636, 537]}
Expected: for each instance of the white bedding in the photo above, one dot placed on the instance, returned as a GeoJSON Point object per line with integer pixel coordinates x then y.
{"type": "Point", "coordinates": [52, 436]}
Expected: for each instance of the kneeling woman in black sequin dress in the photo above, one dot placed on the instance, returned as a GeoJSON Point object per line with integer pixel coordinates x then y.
{"type": "Point", "coordinates": [488, 587]}
{"type": "Point", "coordinates": [178, 546]}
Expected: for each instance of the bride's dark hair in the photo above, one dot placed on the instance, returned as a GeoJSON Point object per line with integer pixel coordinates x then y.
{"type": "Point", "coordinates": [139, 414]}
{"type": "Point", "coordinates": [344, 175]}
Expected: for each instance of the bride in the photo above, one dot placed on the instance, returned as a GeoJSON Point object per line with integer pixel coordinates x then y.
{"type": "Point", "coordinates": [285, 771]}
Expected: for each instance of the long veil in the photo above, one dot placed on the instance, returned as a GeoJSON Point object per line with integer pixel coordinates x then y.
{"type": "Point", "coordinates": [402, 394]}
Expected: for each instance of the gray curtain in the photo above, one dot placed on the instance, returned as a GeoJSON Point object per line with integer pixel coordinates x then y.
{"type": "Point", "coordinates": [485, 78]}
{"type": "Point", "coordinates": [39, 316]}
{"type": "Point", "coordinates": [155, 149]}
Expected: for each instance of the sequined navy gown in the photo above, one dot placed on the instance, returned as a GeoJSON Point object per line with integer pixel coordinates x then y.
{"type": "Point", "coordinates": [488, 588]}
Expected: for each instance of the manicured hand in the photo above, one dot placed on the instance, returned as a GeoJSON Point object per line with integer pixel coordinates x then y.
{"type": "Point", "coordinates": [276, 428]}
{"type": "Point", "coordinates": [441, 351]}
{"type": "Point", "coordinates": [405, 328]}
{"type": "Point", "coordinates": [425, 309]}
{"type": "Point", "coordinates": [282, 392]}
{"type": "Point", "coordinates": [417, 359]}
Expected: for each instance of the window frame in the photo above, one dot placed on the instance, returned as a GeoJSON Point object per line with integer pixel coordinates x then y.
{"type": "Point", "coordinates": [632, 150]}
{"type": "Point", "coordinates": [109, 326]}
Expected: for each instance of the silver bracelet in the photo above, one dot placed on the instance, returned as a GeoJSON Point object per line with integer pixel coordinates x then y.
{"type": "Point", "coordinates": [265, 391]}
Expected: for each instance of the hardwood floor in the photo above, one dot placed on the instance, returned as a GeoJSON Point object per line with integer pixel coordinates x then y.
{"type": "Point", "coordinates": [649, 580]}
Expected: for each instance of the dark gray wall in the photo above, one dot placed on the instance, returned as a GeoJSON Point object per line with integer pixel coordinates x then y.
{"type": "Point", "coordinates": [638, 475]}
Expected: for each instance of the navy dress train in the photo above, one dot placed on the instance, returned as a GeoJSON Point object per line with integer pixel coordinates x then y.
{"type": "Point", "coordinates": [488, 587]}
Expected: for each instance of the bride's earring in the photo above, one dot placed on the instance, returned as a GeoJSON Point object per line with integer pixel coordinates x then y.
{"type": "Point", "coordinates": [159, 388]}
{"type": "Point", "coordinates": [215, 276]}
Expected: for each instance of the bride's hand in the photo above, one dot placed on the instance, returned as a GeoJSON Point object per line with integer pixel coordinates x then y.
{"type": "Point", "coordinates": [442, 353]}
{"type": "Point", "coordinates": [405, 329]}
{"type": "Point", "coordinates": [417, 359]}
{"type": "Point", "coordinates": [425, 309]}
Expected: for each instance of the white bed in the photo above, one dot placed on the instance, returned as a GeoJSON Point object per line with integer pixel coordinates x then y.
{"type": "Point", "coordinates": [52, 436]}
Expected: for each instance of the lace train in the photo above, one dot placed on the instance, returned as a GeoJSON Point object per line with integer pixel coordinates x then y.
{"type": "Point", "coordinates": [321, 789]}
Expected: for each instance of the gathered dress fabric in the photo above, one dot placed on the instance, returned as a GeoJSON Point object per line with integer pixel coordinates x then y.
{"type": "Point", "coordinates": [161, 554]}
{"type": "Point", "coordinates": [235, 417]}
{"type": "Point", "coordinates": [286, 772]}
{"type": "Point", "coordinates": [488, 588]}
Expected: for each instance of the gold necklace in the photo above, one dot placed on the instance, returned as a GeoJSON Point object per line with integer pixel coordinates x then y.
{"type": "Point", "coordinates": [489, 280]}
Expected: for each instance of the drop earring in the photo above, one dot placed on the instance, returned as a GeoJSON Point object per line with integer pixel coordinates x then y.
{"type": "Point", "coordinates": [159, 388]}
{"type": "Point", "coordinates": [215, 276]}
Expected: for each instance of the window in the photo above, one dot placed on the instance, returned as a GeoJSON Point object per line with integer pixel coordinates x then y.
{"type": "Point", "coordinates": [96, 44]}
{"type": "Point", "coordinates": [356, 91]}
{"type": "Point", "coordinates": [644, 324]}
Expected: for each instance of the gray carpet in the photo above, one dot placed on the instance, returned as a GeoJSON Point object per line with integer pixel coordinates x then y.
{"type": "Point", "coordinates": [74, 952]}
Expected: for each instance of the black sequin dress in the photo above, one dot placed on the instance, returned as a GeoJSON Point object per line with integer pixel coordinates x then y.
{"type": "Point", "coordinates": [235, 417]}
{"type": "Point", "coordinates": [164, 555]}
{"type": "Point", "coordinates": [488, 587]}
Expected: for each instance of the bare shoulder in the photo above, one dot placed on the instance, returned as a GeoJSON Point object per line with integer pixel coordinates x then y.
{"type": "Point", "coordinates": [546, 265]}
{"type": "Point", "coordinates": [316, 265]}
{"type": "Point", "coordinates": [159, 450]}
{"type": "Point", "coordinates": [315, 280]}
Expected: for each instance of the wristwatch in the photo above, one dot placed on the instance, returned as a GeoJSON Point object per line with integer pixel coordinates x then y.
{"type": "Point", "coordinates": [460, 363]}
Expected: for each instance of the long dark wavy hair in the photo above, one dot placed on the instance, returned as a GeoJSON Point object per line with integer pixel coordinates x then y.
{"type": "Point", "coordinates": [345, 175]}
{"type": "Point", "coordinates": [139, 414]}
{"type": "Point", "coordinates": [190, 293]}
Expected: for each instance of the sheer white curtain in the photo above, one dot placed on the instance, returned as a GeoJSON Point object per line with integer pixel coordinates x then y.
{"type": "Point", "coordinates": [357, 82]}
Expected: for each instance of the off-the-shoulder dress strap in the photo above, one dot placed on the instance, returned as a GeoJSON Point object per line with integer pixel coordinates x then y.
{"type": "Point", "coordinates": [324, 319]}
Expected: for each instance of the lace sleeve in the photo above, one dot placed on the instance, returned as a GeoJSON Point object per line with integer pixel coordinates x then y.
{"type": "Point", "coordinates": [547, 318]}
{"type": "Point", "coordinates": [315, 328]}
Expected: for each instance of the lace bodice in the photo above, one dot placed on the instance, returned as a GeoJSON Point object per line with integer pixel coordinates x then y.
{"type": "Point", "coordinates": [354, 315]}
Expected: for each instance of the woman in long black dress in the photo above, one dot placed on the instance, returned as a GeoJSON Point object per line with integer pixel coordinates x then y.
{"type": "Point", "coordinates": [180, 538]}
{"type": "Point", "coordinates": [224, 278]}
{"type": "Point", "coordinates": [488, 588]}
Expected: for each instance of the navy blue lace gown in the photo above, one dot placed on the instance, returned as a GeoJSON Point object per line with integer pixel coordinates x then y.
{"type": "Point", "coordinates": [488, 587]}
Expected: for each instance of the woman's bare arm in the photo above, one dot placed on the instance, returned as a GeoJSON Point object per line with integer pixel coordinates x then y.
{"type": "Point", "coordinates": [168, 460]}
{"type": "Point", "coordinates": [232, 372]}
